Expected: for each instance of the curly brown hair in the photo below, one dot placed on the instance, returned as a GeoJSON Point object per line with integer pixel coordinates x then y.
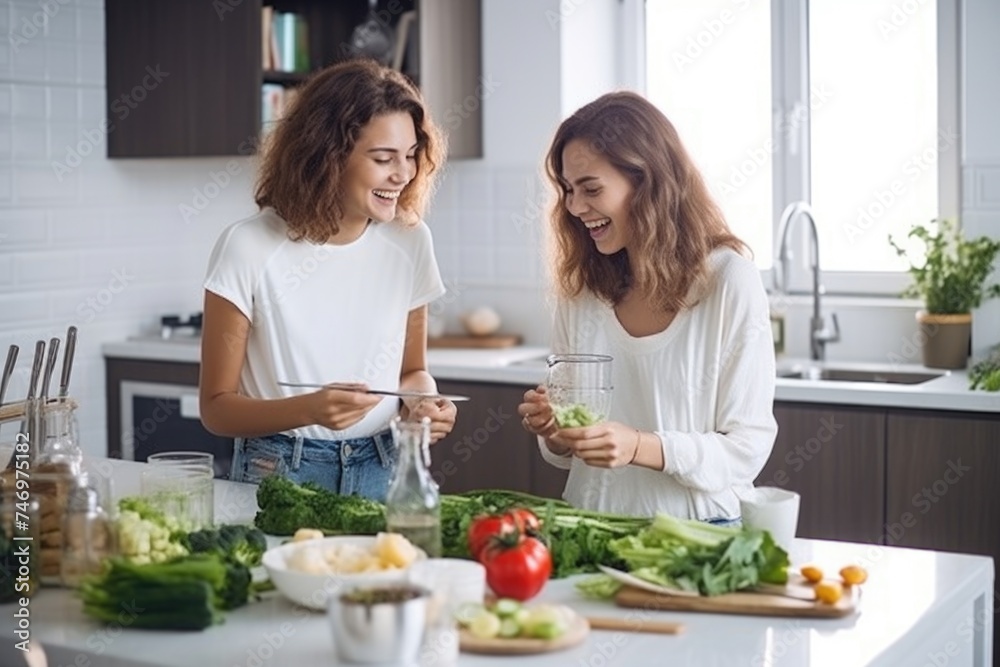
{"type": "Point", "coordinates": [305, 155]}
{"type": "Point", "coordinates": [674, 220]}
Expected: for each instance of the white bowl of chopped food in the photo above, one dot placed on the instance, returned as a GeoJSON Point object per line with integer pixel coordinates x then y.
{"type": "Point", "coordinates": [311, 567]}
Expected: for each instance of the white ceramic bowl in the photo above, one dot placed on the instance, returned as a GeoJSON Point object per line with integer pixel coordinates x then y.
{"type": "Point", "coordinates": [313, 590]}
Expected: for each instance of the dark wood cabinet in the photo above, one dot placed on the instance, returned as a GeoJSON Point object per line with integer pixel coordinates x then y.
{"type": "Point", "coordinates": [186, 77]}
{"type": "Point", "coordinates": [943, 491]}
{"type": "Point", "coordinates": [488, 449]}
{"type": "Point", "coordinates": [834, 457]}
{"type": "Point", "coordinates": [181, 79]}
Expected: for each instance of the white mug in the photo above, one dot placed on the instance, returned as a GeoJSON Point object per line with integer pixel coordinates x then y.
{"type": "Point", "coordinates": [774, 510]}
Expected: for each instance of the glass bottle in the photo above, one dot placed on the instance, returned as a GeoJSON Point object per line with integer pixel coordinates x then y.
{"type": "Point", "coordinates": [88, 537]}
{"type": "Point", "coordinates": [19, 541]}
{"type": "Point", "coordinates": [413, 504]}
{"type": "Point", "coordinates": [60, 447]}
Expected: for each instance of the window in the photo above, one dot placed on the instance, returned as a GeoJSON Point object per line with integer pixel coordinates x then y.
{"type": "Point", "coordinates": [846, 104]}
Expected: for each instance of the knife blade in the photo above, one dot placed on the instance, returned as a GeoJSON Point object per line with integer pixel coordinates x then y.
{"type": "Point", "coordinates": [377, 392]}
{"type": "Point", "coordinates": [67, 362]}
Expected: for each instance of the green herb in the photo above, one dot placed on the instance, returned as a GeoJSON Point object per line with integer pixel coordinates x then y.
{"type": "Point", "coordinates": [986, 374]}
{"type": "Point", "coordinates": [951, 272]}
{"type": "Point", "coordinates": [578, 414]}
{"type": "Point", "coordinates": [698, 557]}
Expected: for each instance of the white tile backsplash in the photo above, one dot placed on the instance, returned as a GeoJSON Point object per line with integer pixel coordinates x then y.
{"type": "Point", "coordinates": [30, 141]}
{"type": "Point", "coordinates": [21, 228]}
{"type": "Point", "coordinates": [28, 102]}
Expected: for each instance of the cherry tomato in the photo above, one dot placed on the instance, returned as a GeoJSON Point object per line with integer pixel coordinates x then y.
{"type": "Point", "coordinates": [516, 566]}
{"type": "Point", "coordinates": [485, 528]}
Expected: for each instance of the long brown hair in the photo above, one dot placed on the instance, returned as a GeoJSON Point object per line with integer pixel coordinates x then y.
{"type": "Point", "coordinates": [305, 155]}
{"type": "Point", "coordinates": [674, 221]}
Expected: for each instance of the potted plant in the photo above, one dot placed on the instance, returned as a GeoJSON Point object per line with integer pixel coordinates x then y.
{"type": "Point", "coordinates": [950, 276]}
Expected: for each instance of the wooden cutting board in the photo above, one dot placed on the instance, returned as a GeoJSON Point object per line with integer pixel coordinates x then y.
{"type": "Point", "coordinates": [574, 634]}
{"type": "Point", "coordinates": [482, 342]}
{"type": "Point", "coordinates": [754, 604]}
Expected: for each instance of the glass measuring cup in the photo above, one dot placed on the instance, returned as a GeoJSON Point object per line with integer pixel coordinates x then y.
{"type": "Point", "coordinates": [580, 388]}
{"type": "Point", "coordinates": [182, 486]}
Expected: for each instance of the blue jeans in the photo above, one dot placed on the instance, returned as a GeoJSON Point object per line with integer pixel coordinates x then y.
{"type": "Point", "coordinates": [360, 466]}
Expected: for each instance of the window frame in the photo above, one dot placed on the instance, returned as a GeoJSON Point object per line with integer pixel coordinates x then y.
{"type": "Point", "coordinates": [790, 94]}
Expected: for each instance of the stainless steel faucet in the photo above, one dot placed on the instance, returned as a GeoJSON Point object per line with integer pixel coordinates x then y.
{"type": "Point", "coordinates": [819, 335]}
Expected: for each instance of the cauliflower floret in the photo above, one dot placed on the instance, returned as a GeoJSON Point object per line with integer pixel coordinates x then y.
{"type": "Point", "coordinates": [307, 559]}
{"type": "Point", "coordinates": [304, 534]}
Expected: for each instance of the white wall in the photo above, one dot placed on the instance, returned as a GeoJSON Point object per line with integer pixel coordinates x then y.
{"type": "Point", "coordinates": [981, 144]}
{"type": "Point", "coordinates": [101, 243]}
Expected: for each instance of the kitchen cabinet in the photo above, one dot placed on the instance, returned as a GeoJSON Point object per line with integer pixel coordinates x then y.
{"type": "Point", "coordinates": [943, 492]}
{"type": "Point", "coordinates": [185, 77]}
{"type": "Point", "coordinates": [834, 457]}
{"type": "Point", "coordinates": [488, 449]}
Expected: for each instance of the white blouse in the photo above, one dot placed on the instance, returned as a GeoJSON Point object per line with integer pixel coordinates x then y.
{"type": "Point", "coordinates": [704, 385]}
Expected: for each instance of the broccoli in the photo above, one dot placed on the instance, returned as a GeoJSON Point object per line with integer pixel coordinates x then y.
{"type": "Point", "coordinates": [286, 506]}
{"type": "Point", "coordinates": [241, 545]}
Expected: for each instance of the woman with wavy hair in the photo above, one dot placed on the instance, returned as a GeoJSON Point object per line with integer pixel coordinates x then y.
{"type": "Point", "coordinates": [328, 282]}
{"type": "Point", "coordinates": [647, 271]}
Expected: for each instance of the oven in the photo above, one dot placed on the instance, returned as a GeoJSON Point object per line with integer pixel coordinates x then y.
{"type": "Point", "coordinates": [163, 417]}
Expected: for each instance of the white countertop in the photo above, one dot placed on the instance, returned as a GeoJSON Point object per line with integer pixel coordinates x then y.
{"type": "Point", "coordinates": [525, 365]}
{"type": "Point", "coordinates": [916, 605]}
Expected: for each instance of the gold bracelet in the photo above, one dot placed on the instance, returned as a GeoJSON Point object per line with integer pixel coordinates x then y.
{"type": "Point", "coordinates": [638, 441]}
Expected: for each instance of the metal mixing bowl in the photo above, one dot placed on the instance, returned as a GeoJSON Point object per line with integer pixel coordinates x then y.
{"type": "Point", "coordinates": [377, 631]}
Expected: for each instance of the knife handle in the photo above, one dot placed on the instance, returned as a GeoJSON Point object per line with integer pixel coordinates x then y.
{"type": "Point", "coordinates": [635, 625]}
{"type": "Point", "coordinates": [67, 362]}
{"type": "Point", "coordinates": [8, 370]}
{"type": "Point", "coordinates": [50, 367]}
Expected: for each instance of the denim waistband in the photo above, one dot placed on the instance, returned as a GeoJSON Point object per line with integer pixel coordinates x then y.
{"type": "Point", "coordinates": [382, 442]}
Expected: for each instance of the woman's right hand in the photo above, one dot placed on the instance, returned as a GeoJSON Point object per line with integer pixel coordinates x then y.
{"type": "Point", "coordinates": [337, 409]}
{"type": "Point", "coordinates": [536, 413]}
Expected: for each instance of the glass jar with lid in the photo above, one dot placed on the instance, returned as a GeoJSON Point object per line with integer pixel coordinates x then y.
{"type": "Point", "coordinates": [88, 536]}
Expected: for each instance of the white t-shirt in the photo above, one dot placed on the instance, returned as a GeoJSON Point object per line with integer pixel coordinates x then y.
{"type": "Point", "coordinates": [704, 385]}
{"type": "Point", "coordinates": [322, 312]}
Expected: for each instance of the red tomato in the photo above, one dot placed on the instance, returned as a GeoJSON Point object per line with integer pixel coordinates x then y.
{"type": "Point", "coordinates": [526, 521]}
{"type": "Point", "coordinates": [485, 528]}
{"type": "Point", "coordinates": [516, 567]}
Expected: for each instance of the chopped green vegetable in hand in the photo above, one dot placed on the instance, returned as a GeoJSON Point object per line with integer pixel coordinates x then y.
{"type": "Point", "coordinates": [576, 415]}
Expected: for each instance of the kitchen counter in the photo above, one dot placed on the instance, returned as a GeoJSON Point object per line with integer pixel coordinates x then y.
{"type": "Point", "coordinates": [918, 607]}
{"type": "Point", "coordinates": [525, 365]}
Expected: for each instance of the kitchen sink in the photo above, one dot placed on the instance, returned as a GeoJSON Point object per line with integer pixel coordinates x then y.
{"type": "Point", "coordinates": [857, 375]}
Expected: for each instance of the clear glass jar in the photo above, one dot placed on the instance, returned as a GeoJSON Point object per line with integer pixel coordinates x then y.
{"type": "Point", "coordinates": [88, 536]}
{"type": "Point", "coordinates": [413, 503]}
{"type": "Point", "coordinates": [182, 486]}
{"type": "Point", "coordinates": [19, 540]}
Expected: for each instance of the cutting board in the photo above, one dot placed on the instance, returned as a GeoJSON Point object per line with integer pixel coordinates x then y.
{"type": "Point", "coordinates": [482, 342]}
{"type": "Point", "coordinates": [754, 604]}
{"type": "Point", "coordinates": [575, 633]}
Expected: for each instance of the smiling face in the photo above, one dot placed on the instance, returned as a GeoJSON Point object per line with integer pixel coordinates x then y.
{"type": "Point", "coordinates": [598, 195]}
{"type": "Point", "coordinates": [380, 165]}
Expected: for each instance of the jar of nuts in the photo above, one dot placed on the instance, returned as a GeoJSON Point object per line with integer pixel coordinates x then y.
{"type": "Point", "coordinates": [88, 536]}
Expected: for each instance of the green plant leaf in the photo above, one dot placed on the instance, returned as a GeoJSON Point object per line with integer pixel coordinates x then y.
{"type": "Point", "coordinates": [950, 273]}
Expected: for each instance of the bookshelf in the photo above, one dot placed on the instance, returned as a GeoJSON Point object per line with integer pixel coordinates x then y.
{"type": "Point", "coordinates": [221, 77]}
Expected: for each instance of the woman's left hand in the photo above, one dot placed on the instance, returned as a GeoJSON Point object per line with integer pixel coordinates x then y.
{"type": "Point", "coordinates": [603, 445]}
{"type": "Point", "coordinates": [440, 411]}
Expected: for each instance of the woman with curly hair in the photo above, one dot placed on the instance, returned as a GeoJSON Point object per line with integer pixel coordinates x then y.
{"type": "Point", "coordinates": [328, 282]}
{"type": "Point", "coordinates": [647, 271]}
